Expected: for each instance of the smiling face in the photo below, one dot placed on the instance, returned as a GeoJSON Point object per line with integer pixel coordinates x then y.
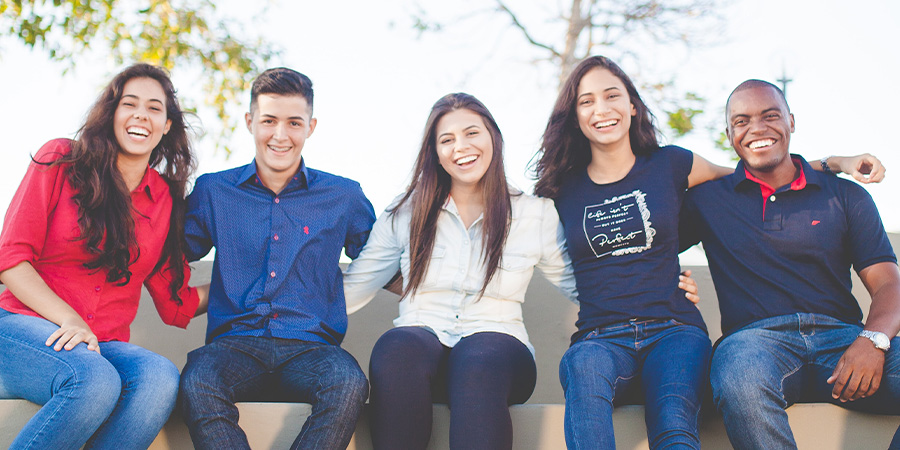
{"type": "Point", "coordinates": [604, 110]}
{"type": "Point", "coordinates": [140, 120]}
{"type": "Point", "coordinates": [759, 128]}
{"type": "Point", "coordinates": [464, 147]}
{"type": "Point", "coordinates": [280, 125]}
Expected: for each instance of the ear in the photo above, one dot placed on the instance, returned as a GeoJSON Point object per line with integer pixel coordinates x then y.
{"type": "Point", "coordinates": [248, 117]}
{"type": "Point", "coordinates": [633, 110]}
{"type": "Point", "coordinates": [312, 126]}
{"type": "Point", "coordinates": [729, 136]}
{"type": "Point", "coordinates": [792, 122]}
{"type": "Point", "coordinates": [168, 125]}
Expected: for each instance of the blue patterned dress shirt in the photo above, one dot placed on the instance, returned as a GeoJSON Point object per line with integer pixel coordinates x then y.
{"type": "Point", "coordinates": [276, 271]}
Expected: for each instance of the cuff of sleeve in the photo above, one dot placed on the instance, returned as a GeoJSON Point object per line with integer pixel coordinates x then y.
{"type": "Point", "coordinates": [188, 308]}
{"type": "Point", "coordinates": [10, 258]}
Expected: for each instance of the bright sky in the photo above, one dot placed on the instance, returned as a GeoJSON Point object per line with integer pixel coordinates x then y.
{"type": "Point", "coordinates": [375, 83]}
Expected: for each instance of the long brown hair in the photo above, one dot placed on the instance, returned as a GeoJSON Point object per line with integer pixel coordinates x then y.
{"type": "Point", "coordinates": [430, 187]}
{"type": "Point", "coordinates": [104, 203]}
{"type": "Point", "coordinates": [564, 148]}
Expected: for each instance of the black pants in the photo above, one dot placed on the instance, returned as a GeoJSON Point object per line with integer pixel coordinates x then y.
{"type": "Point", "coordinates": [478, 378]}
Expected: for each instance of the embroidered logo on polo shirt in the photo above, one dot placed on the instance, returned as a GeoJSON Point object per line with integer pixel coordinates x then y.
{"type": "Point", "coordinates": [306, 230]}
{"type": "Point", "coordinates": [815, 222]}
{"type": "Point", "coordinates": [619, 225]}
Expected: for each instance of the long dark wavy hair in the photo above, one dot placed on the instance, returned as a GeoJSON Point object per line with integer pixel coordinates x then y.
{"type": "Point", "coordinates": [430, 187]}
{"type": "Point", "coordinates": [104, 203]}
{"type": "Point", "coordinates": [564, 147]}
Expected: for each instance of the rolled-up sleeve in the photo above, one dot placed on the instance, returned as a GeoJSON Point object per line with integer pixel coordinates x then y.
{"type": "Point", "coordinates": [170, 311]}
{"type": "Point", "coordinates": [26, 222]}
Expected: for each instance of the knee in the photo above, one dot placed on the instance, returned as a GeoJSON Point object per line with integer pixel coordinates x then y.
{"type": "Point", "coordinates": [92, 379]}
{"type": "Point", "coordinates": [583, 362]}
{"type": "Point", "coordinates": [349, 389]}
{"type": "Point", "coordinates": [157, 378]}
{"type": "Point", "coordinates": [198, 380]}
{"type": "Point", "coordinates": [399, 352]}
{"type": "Point", "coordinates": [737, 380]}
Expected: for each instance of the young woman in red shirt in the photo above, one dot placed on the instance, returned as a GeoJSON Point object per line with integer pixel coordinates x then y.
{"type": "Point", "coordinates": [94, 219]}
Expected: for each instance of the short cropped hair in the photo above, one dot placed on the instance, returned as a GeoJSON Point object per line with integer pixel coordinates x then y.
{"type": "Point", "coordinates": [281, 81]}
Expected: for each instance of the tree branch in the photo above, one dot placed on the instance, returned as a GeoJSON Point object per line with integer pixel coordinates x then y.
{"type": "Point", "coordinates": [525, 32]}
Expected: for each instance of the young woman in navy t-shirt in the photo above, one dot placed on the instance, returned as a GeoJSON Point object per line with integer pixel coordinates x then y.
{"type": "Point", "coordinates": [618, 194]}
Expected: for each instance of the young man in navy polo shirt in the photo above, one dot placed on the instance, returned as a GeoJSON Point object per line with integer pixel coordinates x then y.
{"type": "Point", "coordinates": [276, 312]}
{"type": "Point", "coordinates": [780, 239]}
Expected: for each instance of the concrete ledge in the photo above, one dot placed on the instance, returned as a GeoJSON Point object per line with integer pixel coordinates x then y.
{"type": "Point", "coordinates": [537, 427]}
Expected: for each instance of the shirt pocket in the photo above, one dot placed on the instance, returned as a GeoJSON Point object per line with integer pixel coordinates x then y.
{"type": "Point", "coordinates": [512, 277]}
{"type": "Point", "coordinates": [433, 276]}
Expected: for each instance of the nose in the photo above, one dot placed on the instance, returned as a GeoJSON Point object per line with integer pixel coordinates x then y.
{"type": "Point", "coordinates": [139, 114]}
{"type": "Point", "coordinates": [601, 108]}
{"type": "Point", "coordinates": [756, 126]}
{"type": "Point", "coordinates": [280, 131]}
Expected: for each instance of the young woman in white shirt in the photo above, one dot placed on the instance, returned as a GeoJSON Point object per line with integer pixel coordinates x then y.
{"type": "Point", "coordinates": [466, 245]}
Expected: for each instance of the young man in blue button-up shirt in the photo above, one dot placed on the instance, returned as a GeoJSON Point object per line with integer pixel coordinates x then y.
{"type": "Point", "coordinates": [781, 239]}
{"type": "Point", "coordinates": [276, 312]}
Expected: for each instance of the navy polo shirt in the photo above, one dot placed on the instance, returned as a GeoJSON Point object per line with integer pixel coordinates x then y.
{"type": "Point", "coordinates": [788, 252]}
{"type": "Point", "coordinates": [623, 241]}
{"type": "Point", "coordinates": [276, 271]}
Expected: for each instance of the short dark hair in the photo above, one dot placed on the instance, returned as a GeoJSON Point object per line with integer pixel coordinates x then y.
{"type": "Point", "coordinates": [754, 83]}
{"type": "Point", "coordinates": [281, 81]}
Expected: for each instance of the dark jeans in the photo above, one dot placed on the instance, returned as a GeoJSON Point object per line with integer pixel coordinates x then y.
{"type": "Point", "coordinates": [763, 368]}
{"type": "Point", "coordinates": [667, 360]}
{"type": "Point", "coordinates": [479, 378]}
{"type": "Point", "coordinates": [246, 368]}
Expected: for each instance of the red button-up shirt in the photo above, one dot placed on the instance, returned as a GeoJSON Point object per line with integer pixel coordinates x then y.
{"type": "Point", "coordinates": [41, 227]}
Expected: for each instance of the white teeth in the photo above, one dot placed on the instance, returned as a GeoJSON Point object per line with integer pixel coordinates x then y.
{"type": "Point", "coordinates": [608, 123]}
{"type": "Point", "coordinates": [761, 143]}
{"type": "Point", "coordinates": [466, 159]}
{"type": "Point", "coordinates": [279, 149]}
{"type": "Point", "coordinates": [137, 130]}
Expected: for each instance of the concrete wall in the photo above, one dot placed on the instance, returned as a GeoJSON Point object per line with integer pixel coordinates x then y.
{"type": "Point", "coordinates": [550, 320]}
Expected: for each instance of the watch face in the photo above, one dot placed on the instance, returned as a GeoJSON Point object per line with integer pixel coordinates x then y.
{"type": "Point", "coordinates": [881, 341]}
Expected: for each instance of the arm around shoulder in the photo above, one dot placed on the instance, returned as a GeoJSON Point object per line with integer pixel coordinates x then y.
{"type": "Point", "coordinates": [702, 171]}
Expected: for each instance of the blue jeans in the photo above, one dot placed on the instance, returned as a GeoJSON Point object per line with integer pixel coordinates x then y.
{"type": "Point", "coordinates": [773, 363]}
{"type": "Point", "coordinates": [249, 368]}
{"type": "Point", "coordinates": [120, 398]}
{"type": "Point", "coordinates": [668, 361]}
{"type": "Point", "coordinates": [478, 378]}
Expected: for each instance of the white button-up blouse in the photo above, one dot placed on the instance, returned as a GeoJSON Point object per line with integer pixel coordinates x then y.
{"type": "Point", "coordinates": [447, 298]}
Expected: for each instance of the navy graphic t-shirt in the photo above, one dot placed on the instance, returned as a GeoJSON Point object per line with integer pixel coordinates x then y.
{"type": "Point", "coordinates": [623, 241]}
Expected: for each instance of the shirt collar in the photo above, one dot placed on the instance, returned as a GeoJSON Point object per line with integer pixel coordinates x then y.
{"type": "Point", "coordinates": [742, 178]}
{"type": "Point", "coordinates": [299, 181]}
{"type": "Point", "coordinates": [152, 184]}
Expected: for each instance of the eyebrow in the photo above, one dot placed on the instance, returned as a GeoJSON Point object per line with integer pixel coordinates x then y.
{"type": "Point", "coordinates": [301, 118]}
{"type": "Point", "coordinates": [605, 90]}
{"type": "Point", "coordinates": [137, 98]}
{"type": "Point", "coordinates": [765, 111]}
{"type": "Point", "coordinates": [464, 129]}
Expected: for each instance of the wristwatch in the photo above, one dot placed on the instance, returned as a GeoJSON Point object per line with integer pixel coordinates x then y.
{"type": "Point", "coordinates": [825, 167]}
{"type": "Point", "coordinates": [882, 341]}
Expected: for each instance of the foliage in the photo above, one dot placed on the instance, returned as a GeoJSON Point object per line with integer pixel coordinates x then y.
{"type": "Point", "coordinates": [619, 29]}
{"type": "Point", "coordinates": [184, 34]}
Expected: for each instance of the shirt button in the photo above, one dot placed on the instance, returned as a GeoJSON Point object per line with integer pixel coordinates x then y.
{"type": "Point", "coordinates": [272, 274]}
{"type": "Point", "coordinates": [772, 198]}
{"type": "Point", "coordinates": [275, 316]}
{"type": "Point", "coordinates": [277, 200]}
{"type": "Point", "coordinates": [90, 316]}
{"type": "Point", "coordinates": [275, 237]}
{"type": "Point", "coordinates": [97, 288]}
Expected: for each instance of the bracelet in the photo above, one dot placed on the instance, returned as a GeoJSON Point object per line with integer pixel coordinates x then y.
{"type": "Point", "coordinates": [825, 168]}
